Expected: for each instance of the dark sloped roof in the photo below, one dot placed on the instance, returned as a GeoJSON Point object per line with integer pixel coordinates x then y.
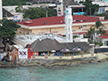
{"type": "Point", "coordinates": [1, 44]}
{"type": "Point", "coordinates": [6, 13]}
{"type": "Point", "coordinates": [69, 2]}
{"type": "Point", "coordinates": [82, 45]}
{"type": "Point", "coordinates": [52, 44]}
{"type": "Point", "coordinates": [45, 45]}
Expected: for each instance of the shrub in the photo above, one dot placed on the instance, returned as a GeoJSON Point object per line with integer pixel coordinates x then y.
{"type": "Point", "coordinates": [90, 41]}
{"type": "Point", "coordinates": [100, 44]}
{"type": "Point", "coordinates": [95, 43]}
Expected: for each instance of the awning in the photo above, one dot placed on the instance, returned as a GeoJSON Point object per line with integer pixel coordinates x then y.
{"type": "Point", "coordinates": [84, 33]}
{"type": "Point", "coordinates": [65, 50]}
{"type": "Point", "coordinates": [77, 49]}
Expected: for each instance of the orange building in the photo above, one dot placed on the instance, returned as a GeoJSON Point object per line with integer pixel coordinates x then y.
{"type": "Point", "coordinates": [56, 25]}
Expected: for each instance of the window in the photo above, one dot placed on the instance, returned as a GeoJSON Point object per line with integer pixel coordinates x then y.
{"type": "Point", "coordinates": [84, 25]}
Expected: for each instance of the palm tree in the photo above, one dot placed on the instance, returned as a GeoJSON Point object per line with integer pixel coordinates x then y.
{"type": "Point", "coordinates": [99, 27]}
{"type": "Point", "coordinates": [96, 30]}
{"type": "Point", "coordinates": [98, 24]}
{"type": "Point", "coordinates": [91, 32]}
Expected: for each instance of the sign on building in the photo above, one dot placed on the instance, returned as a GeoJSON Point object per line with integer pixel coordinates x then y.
{"type": "Point", "coordinates": [23, 53]}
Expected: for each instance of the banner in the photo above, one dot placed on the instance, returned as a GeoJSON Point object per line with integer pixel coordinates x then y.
{"type": "Point", "coordinates": [23, 53]}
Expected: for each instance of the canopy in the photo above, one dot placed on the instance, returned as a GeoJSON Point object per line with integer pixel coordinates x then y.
{"type": "Point", "coordinates": [65, 50]}
{"type": "Point", "coordinates": [77, 49]}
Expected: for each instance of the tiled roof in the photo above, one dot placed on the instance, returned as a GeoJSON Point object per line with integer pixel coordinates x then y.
{"type": "Point", "coordinates": [58, 20]}
{"type": "Point", "coordinates": [84, 33]}
{"type": "Point", "coordinates": [69, 2]}
{"type": "Point", "coordinates": [104, 36]}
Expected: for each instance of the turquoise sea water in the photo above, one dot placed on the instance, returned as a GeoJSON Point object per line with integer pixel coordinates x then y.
{"type": "Point", "coordinates": [83, 72]}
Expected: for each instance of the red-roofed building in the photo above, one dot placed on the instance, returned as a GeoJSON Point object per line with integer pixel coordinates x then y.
{"type": "Point", "coordinates": [104, 36]}
{"type": "Point", "coordinates": [103, 39]}
{"type": "Point", "coordinates": [56, 25]}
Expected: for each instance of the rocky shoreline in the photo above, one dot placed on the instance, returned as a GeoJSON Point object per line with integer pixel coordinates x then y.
{"type": "Point", "coordinates": [51, 62]}
{"type": "Point", "coordinates": [7, 65]}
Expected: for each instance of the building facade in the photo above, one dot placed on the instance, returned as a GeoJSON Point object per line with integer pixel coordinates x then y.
{"type": "Point", "coordinates": [77, 1]}
{"type": "Point", "coordinates": [103, 5]}
{"type": "Point", "coordinates": [39, 1]}
{"type": "Point", "coordinates": [56, 25]}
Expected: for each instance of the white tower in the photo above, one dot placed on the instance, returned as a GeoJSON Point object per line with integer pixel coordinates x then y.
{"type": "Point", "coordinates": [59, 8]}
{"type": "Point", "coordinates": [68, 21]}
{"type": "Point", "coordinates": [1, 10]}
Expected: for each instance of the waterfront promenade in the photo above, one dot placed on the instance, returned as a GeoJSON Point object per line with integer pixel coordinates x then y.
{"type": "Point", "coordinates": [49, 61]}
{"type": "Point", "coordinates": [98, 55]}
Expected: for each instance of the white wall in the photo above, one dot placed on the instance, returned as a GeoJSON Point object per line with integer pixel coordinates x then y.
{"type": "Point", "coordinates": [1, 15]}
{"type": "Point", "coordinates": [104, 41]}
{"type": "Point", "coordinates": [78, 1]}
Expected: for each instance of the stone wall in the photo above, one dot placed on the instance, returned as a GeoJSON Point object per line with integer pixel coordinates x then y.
{"type": "Point", "coordinates": [56, 62]}
{"type": "Point", "coordinates": [63, 60]}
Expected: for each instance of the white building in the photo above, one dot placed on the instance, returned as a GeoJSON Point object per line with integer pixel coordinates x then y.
{"type": "Point", "coordinates": [77, 1]}
{"type": "Point", "coordinates": [23, 40]}
{"type": "Point", "coordinates": [103, 5]}
{"type": "Point", "coordinates": [18, 16]}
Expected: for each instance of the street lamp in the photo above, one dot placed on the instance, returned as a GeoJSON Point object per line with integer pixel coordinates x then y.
{"type": "Point", "coordinates": [90, 11]}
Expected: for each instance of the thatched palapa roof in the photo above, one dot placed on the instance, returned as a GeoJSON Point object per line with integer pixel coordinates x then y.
{"type": "Point", "coordinates": [82, 45]}
{"type": "Point", "coordinates": [45, 45]}
{"type": "Point", "coordinates": [52, 44]}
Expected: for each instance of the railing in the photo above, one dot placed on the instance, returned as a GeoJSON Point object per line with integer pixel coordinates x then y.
{"type": "Point", "coordinates": [63, 57]}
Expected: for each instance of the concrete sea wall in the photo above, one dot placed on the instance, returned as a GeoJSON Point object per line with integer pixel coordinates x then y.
{"type": "Point", "coordinates": [56, 62]}
{"type": "Point", "coordinates": [49, 61]}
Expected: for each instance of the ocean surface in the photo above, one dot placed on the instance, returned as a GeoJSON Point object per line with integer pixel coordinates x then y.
{"type": "Point", "coordinates": [82, 72]}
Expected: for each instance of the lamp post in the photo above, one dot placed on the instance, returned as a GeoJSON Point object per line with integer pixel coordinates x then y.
{"type": "Point", "coordinates": [90, 11]}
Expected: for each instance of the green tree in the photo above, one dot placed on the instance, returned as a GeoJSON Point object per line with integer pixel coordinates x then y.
{"type": "Point", "coordinates": [91, 32]}
{"type": "Point", "coordinates": [15, 2]}
{"type": "Point", "coordinates": [38, 12]}
{"type": "Point", "coordinates": [99, 28]}
{"type": "Point", "coordinates": [103, 14]}
{"type": "Point", "coordinates": [96, 30]}
{"type": "Point", "coordinates": [91, 8]}
{"type": "Point", "coordinates": [19, 8]}
{"type": "Point", "coordinates": [8, 28]}
{"type": "Point", "coordinates": [98, 24]}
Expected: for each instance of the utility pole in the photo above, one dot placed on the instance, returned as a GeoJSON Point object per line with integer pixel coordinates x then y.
{"type": "Point", "coordinates": [46, 13]}
{"type": "Point", "coordinates": [90, 11]}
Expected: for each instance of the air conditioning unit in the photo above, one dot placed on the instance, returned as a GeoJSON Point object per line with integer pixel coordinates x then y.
{"type": "Point", "coordinates": [81, 20]}
{"type": "Point", "coordinates": [74, 21]}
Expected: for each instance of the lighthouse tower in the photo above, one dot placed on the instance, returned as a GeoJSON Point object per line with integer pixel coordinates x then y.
{"type": "Point", "coordinates": [68, 21]}
{"type": "Point", "coordinates": [1, 16]}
